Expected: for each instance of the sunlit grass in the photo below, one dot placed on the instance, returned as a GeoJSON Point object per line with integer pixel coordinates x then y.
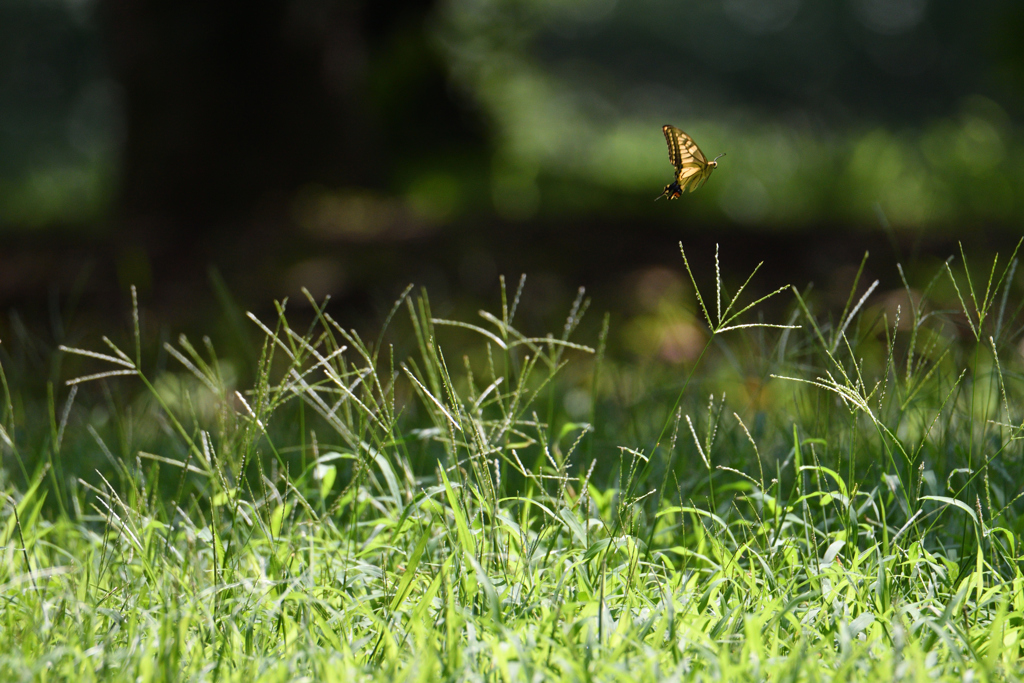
{"type": "Point", "coordinates": [851, 513]}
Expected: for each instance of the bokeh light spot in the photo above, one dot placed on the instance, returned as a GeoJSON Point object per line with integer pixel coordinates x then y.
{"type": "Point", "coordinates": [761, 16]}
{"type": "Point", "coordinates": [745, 199]}
{"type": "Point", "coordinates": [890, 16]}
{"type": "Point", "coordinates": [435, 197]}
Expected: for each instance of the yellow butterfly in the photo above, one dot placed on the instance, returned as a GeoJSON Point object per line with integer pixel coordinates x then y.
{"type": "Point", "coordinates": [692, 167]}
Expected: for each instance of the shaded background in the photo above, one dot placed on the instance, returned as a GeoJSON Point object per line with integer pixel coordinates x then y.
{"type": "Point", "coordinates": [223, 155]}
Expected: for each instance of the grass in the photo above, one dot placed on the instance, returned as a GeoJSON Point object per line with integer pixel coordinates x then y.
{"type": "Point", "coordinates": [844, 506]}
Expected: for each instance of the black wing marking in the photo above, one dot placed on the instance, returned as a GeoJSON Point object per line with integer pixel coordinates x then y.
{"type": "Point", "coordinates": [682, 150]}
{"type": "Point", "coordinates": [673, 144]}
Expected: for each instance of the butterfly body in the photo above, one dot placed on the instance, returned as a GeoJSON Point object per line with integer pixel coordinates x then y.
{"type": "Point", "coordinates": [692, 167]}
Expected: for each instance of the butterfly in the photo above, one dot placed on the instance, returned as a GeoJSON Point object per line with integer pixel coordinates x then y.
{"type": "Point", "coordinates": [692, 167]}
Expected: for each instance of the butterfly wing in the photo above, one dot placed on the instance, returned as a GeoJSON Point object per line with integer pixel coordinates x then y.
{"type": "Point", "coordinates": [690, 163]}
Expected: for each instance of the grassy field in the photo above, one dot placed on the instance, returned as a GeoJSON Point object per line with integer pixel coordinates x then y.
{"type": "Point", "coordinates": [832, 497]}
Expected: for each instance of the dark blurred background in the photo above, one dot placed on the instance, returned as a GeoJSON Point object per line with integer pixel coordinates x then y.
{"type": "Point", "coordinates": [220, 155]}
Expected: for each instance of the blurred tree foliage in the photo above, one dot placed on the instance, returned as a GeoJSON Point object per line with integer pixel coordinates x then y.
{"type": "Point", "coordinates": [200, 111]}
{"type": "Point", "coordinates": [179, 117]}
{"type": "Point", "coordinates": [60, 115]}
{"type": "Point", "coordinates": [831, 112]}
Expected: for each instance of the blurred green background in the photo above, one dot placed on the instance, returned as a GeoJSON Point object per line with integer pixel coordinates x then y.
{"type": "Point", "coordinates": [226, 154]}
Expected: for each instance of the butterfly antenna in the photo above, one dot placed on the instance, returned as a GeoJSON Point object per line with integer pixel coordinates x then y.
{"type": "Point", "coordinates": [719, 156]}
